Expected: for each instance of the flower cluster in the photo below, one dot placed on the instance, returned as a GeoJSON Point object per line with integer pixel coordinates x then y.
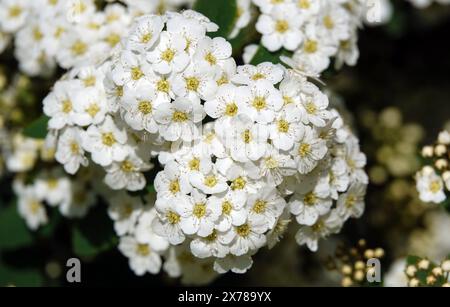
{"type": "Point", "coordinates": [274, 151]}
{"type": "Point", "coordinates": [314, 31]}
{"type": "Point", "coordinates": [433, 181]}
{"type": "Point", "coordinates": [421, 272]}
{"type": "Point", "coordinates": [68, 32]}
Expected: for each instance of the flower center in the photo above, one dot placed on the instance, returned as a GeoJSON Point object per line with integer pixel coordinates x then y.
{"type": "Point", "coordinates": [231, 109]}
{"type": "Point", "coordinates": [223, 80]}
{"type": "Point", "coordinates": [258, 76]}
{"type": "Point", "coordinates": [283, 126]}
{"type": "Point", "coordinates": [281, 26]}
{"type": "Point", "coordinates": [435, 186]}
{"type": "Point", "coordinates": [210, 181]}
{"type": "Point", "coordinates": [192, 84]}
{"type": "Point", "coordinates": [34, 207]}
{"type": "Point", "coordinates": [271, 163]}
{"type": "Point", "coordinates": [350, 201]}
{"type": "Point", "coordinates": [179, 116]}
{"type": "Point", "coordinates": [108, 139]}
{"type": "Point", "coordinates": [199, 210]}
{"type": "Point", "coordinates": [127, 166]}
{"type": "Point", "coordinates": [247, 136]}
{"type": "Point", "coordinates": [311, 108]}
{"type": "Point", "coordinates": [328, 22]}
{"type": "Point", "coordinates": [66, 106]}
{"type": "Point", "coordinates": [210, 58]}
{"type": "Point", "coordinates": [304, 150]}
{"type": "Point", "coordinates": [136, 73]}
{"type": "Point", "coordinates": [174, 186]}
{"type": "Point", "coordinates": [37, 34]}
{"type": "Point", "coordinates": [93, 109]}
{"type": "Point", "coordinates": [304, 4]}
{"type": "Point", "coordinates": [89, 81]}
{"type": "Point", "coordinates": [74, 148]}
{"type": "Point", "coordinates": [173, 218]}
{"type": "Point", "coordinates": [113, 39]}
{"type": "Point", "coordinates": [238, 184]}
{"type": "Point", "coordinates": [226, 207]}
{"type": "Point", "coordinates": [146, 37]}
{"type": "Point", "coordinates": [259, 206]}
{"type": "Point", "coordinates": [310, 199]}
{"type": "Point", "coordinates": [145, 107]}
{"type": "Point", "coordinates": [78, 48]}
{"type": "Point", "coordinates": [14, 11]}
{"type": "Point", "coordinates": [310, 46]}
{"type": "Point", "coordinates": [168, 55]}
{"type": "Point", "coordinates": [194, 164]}
{"type": "Point", "coordinates": [243, 230]}
{"type": "Point", "coordinates": [259, 103]}
{"type": "Point", "coordinates": [142, 250]}
{"type": "Point", "coordinates": [163, 86]}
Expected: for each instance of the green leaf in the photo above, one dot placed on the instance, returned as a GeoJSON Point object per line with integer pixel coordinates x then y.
{"type": "Point", "coordinates": [222, 12]}
{"type": "Point", "coordinates": [412, 260]}
{"type": "Point", "coordinates": [14, 233]}
{"type": "Point", "coordinates": [37, 129]}
{"type": "Point", "coordinates": [264, 55]}
{"type": "Point", "coordinates": [20, 277]}
{"type": "Point", "coordinates": [93, 234]}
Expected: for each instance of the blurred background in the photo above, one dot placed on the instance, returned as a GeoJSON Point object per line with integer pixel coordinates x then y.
{"type": "Point", "coordinates": [397, 98]}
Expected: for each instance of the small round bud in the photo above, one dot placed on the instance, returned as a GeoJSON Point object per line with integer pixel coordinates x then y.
{"type": "Point", "coordinates": [346, 269]}
{"type": "Point", "coordinates": [347, 282]}
{"type": "Point", "coordinates": [359, 265]}
{"type": "Point", "coordinates": [440, 150]}
{"type": "Point", "coordinates": [379, 253]}
{"type": "Point", "coordinates": [359, 275]}
{"type": "Point", "coordinates": [446, 266]}
{"type": "Point", "coordinates": [414, 282]}
{"type": "Point", "coordinates": [369, 254]}
{"type": "Point", "coordinates": [428, 152]}
{"type": "Point", "coordinates": [431, 280]}
{"type": "Point", "coordinates": [437, 271]}
{"type": "Point", "coordinates": [411, 270]}
{"type": "Point", "coordinates": [424, 264]}
{"type": "Point", "coordinates": [441, 164]}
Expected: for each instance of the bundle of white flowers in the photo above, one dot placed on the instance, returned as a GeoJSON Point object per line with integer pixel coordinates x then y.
{"type": "Point", "coordinates": [243, 149]}
{"type": "Point", "coordinates": [433, 180]}
{"type": "Point", "coordinates": [69, 33]}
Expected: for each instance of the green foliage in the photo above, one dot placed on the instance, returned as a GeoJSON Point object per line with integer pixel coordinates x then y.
{"type": "Point", "coordinates": [93, 234]}
{"type": "Point", "coordinates": [28, 277]}
{"type": "Point", "coordinates": [37, 129]}
{"type": "Point", "coordinates": [14, 233]}
{"type": "Point", "coordinates": [222, 12]}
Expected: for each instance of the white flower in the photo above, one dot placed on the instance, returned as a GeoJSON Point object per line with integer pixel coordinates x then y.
{"type": "Point", "coordinates": [233, 211]}
{"type": "Point", "coordinates": [266, 204]}
{"type": "Point", "coordinates": [247, 140]}
{"type": "Point", "coordinates": [309, 151]}
{"type": "Point", "coordinates": [142, 258]}
{"type": "Point", "coordinates": [69, 151]}
{"type": "Point", "coordinates": [197, 215]}
{"type": "Point", "coordinates": [227, 103]}
{"type": "Point", "coordinates": [209, 246]}
{"type": "Point", "coordinates": [281, 28]}
{"type": "Point", "coordinates": [430, 186]}
{"type": "Point", "coordinates": [351, 204]}
{"type": "Point", "coordinates": [274, 166]}
{"type": "Point", "coordinates": [106, 142]}
{"type": "Point", "coordinates": [325, 225]}
{"type": "Point", "coordinates": [145, 32]}
{"type": "Point", "coordinates": [168, 223]}
{"type": "Point", "coordinates": [195, 82]}
{"type": "Point", "coordinates": [13, 14]}
{"type": "Point", "coordinates": [338, 177]}
{"type": "Point", "coordinates": [261, 101]}
{"type": "Point", "coordinates": [276, 233]}
{"type": "Point", "coordinates": [286, 127]}
{"type": "Point", "coordinates": [178, 119]}
{"type": "Point", "coordinates": [124, 210]}
{"type": "Point", "coordinates": [53, 187]}
{"type": "Point", "coordinates": [90, 107]}
{"type": "Point", "coordinates": [58, 105]}
{"type": "Point", "coordinates": [169, 55]}
{"type": "Point", "coordinates": [212, 53]}
{"type": "Point", "coordinates": [131, 72]}
{"type": "Point", "coordinates": [127, 174]}
{"type": "Point", "coordinates": [140, 108]}
{"type": "Point", "coordinates": [335, 23]}
{"type": "Point", "coordinates": [309, 204]}
{"type": "Point", "coordinates": [246, 237]}
{"type": "Point", "coordinates": [31, 208]}
{"type": "Point", "coordinates": [210, 182]}
{"type": "Point", "coordinates": [172, 182]}
{"type": "Point", "coordinates": [249, 74]}
{"type": "Point", "coordinates": [314, 104]}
